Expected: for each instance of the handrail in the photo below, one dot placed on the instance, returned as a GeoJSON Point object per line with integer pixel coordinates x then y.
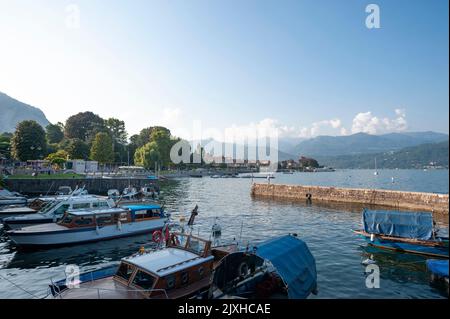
{"type": "Point", "coordinates": [59, 294]}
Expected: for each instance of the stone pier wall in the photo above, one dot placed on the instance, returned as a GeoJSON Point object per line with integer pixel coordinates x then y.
{"type": "Point", "coordinates": [438, 203]}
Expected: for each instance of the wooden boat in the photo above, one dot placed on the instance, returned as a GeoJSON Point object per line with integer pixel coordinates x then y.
{"type": "Point", "coordinates": [182, 269]}
{"type": "Point", "coordinates": [409, 232]}
{"type": "Point", "coordinates": [89, 225]}
{"type": "Point", "coordinates": [188, 267]}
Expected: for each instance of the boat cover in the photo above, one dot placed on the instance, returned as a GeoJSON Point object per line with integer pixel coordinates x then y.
{"type": "Point", "coordinates": [294, 263]}
{"type": "Point", "coordinates": [416, 225]}
{"type": "Point", "coordinates": [438, 267]}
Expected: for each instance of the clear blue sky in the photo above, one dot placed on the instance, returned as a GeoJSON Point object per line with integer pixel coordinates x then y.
{"type": "Point", "coordinates": [298, 64]}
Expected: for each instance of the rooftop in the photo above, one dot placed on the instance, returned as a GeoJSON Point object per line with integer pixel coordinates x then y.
{"type": "Point", "coordinates": [166, 261]}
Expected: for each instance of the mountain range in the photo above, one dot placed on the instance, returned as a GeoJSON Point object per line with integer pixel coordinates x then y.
{"type": "Point", "coordinates": [13, 111]}
{"type": "Point", "coordinates": [356, 150]}
{"type": "Point", "coordinates": [420, 156]}
{"type": "Point", "coordinates": [361, 143]}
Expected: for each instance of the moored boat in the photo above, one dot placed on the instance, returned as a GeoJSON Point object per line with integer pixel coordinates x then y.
{"type": "Point", "coordinates": [189, 267]}
{"type": "Point", "coordinates": [11, 198]}
{"type": "Point", "coordinates": [409, 232]}
{"type": "Point", "coordinates": [89, 225]}
{"type": "Point", "coordinates": [181, 269]}
{"type": "Point", "coordinates": [54, 210]}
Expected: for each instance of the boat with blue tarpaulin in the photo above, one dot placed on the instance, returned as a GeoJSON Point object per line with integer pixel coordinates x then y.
{"type": "Point", "coordinates": [409, 232]}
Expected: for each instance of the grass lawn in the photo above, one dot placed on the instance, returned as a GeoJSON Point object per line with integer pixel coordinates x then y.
{"type": "Point", "coordinates": [46, 176]}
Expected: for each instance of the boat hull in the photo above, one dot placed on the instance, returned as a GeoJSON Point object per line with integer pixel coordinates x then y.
{"type": "Point", "coordinates": [83, 235]}
{"type": "Point", "coordinates": [434, 251]}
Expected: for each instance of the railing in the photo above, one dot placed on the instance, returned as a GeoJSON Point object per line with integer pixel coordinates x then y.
{"type": "Point", "coordinates": [60, 294]}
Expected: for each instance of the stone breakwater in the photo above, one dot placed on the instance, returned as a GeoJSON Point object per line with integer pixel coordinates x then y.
{"type": "Point", "coordinates": [438, 203]}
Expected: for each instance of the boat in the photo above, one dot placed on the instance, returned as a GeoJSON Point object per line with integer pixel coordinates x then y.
{"type": "Point", "coordinates": [88, 225]}
{"type": "Point", "coordinates": [439, 273]}
{"type": "Point", "coordinates": [189, 267]}
{"type": "Point", "coordinates": [409, 232]}
{"type": "Point", "coordinates": [375, 172]}
{"type": "Point", "coordinates": [281, 267]}
{"type": "Point", "coordinates": [258, 175]}
{"type": "Point", "coordinates": [181, 269]}
{"type": "Point", "coordinates": [54, 210]}
{"type": "Point", "coordinates": [11, 198]}
{"type": "Point", "coordinates": [186, 266]}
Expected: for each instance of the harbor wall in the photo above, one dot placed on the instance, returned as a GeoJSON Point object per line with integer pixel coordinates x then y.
{"type": "Point", "coordinates": [400, 200]}
{"type": "Point", "coordinates": [36, 186]}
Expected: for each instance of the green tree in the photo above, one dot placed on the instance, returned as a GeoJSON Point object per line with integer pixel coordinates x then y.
{"type": "Point", "coordinates": [5, 145]}
{"type": "Point", "coordinates": [55, 133]}
{"type": "Point", "coordinates": [29, 141]}
{"type": "Point", "coordinates": [101, 149]}
{"type": "Point", "coordinates": [84, 126]}
{"type": "Point", "coordinates": [147, 155]}
{"type": "Point", "coordinates": [76, 148]}
{"type": "Point", "coordinates": [119, 136]}
{"type": "Point", "coordinates": [58, 158]}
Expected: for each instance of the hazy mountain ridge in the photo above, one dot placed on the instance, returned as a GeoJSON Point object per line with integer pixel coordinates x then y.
{"type": "Point", "coordinates": [13, 111]}
{"type": "Point", "coordinates": [420, 156]}
{"type": "Point", "coordinates": [361, 143]}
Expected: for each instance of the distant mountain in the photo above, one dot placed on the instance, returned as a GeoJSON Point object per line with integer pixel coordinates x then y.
{"type": "Point", "coordinates": [13, 112]}
{"type": "Point", "coordinates": [420, 156]}
{"type": "Point", "coordinates": [362, 143]}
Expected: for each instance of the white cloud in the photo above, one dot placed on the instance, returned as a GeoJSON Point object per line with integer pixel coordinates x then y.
{"type": "Point", "coordinates": [320, 127]}
{"type": "Point", "coordinates": [368, 123]}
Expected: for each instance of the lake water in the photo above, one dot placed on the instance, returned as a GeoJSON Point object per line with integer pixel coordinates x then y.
{"type": "Point", "coordinates": [326, 229]}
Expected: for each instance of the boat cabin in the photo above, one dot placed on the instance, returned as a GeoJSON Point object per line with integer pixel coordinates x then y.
{"type": "Point", "coordinates": [182, 269]}
{"type": "Point", "coordinates": [111, 216]}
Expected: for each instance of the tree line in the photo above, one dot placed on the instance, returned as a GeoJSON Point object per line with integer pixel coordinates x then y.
{"type": "Point", "coordinates": [87, 136]}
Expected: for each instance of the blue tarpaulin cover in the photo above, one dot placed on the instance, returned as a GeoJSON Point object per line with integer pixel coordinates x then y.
{"type": "Point", "coordinates": [417, 225]}
{"type": "Point", "coordinates": [438, 267]}
{"type": "Point", "coordinates": [294, 263]}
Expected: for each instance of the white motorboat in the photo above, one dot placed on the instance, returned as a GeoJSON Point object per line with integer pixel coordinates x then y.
{"type": "Point", "coordinates": [89, 225]}
{"type": "Point", "coordinates": [11, 198]}
{"type": "Point", "coordinates": [54, 210]}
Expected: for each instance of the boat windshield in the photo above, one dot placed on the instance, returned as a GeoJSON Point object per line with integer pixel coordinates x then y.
{"type": "Point", "coordinates": [47, 207]}
{"type": "Point", "coordinates": [196, 245]}
{"type": "Point", "coordinates": [67, 219]}
{"type": "Point", "coordinates": [143, 280]}
{"type": "Point", "coordinates": [125, 271]}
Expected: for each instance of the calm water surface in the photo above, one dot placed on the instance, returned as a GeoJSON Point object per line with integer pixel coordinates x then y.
{"type": "Point", "coordinates": [326, 230]}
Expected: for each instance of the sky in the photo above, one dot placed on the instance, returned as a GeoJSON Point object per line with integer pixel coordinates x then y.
{"type": "Point", "coordinates": [304, 67]}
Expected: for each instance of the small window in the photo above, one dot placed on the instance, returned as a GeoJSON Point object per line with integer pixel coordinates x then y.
{"type": "Point", "coordinates": [143, 280]}
{"type": "Point", "coordinates": [125, 271]}
{"type": "Point", "coordinates": [67, 220]}
{"type": "Point", "coordinates": [184, 278]}
{"type": "Point", "coordinates": [201, 271]}
{"type": "Point", "coordinates": [100, 204]}
{"type": "Point", "coordinates": [80, 205]}
{"type": "Point", "coordinates": [84, 220]}
{"type": "Point", "coordinates": [104, 219]}
{"type": "Point", "coordinates": [170, 281]}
